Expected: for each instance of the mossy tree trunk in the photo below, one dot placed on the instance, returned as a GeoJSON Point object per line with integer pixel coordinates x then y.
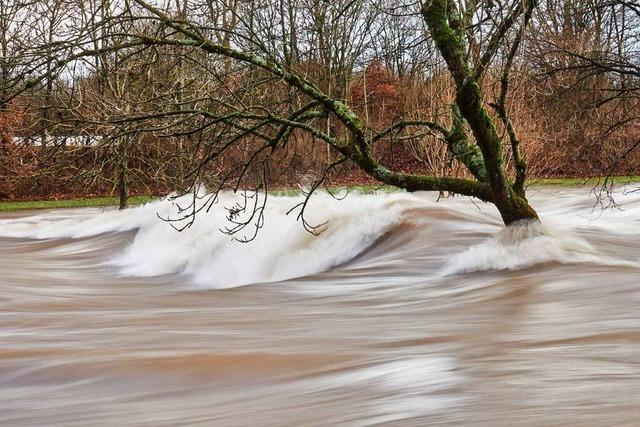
{"type": "Point", "coordinates": [447, 30]}
{"type": "Point", "coordinates": [483, 156]}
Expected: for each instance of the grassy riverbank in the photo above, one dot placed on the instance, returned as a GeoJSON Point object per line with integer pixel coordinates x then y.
{"type": "Point", "coordinates": [136, 200]}
{"type": "Point", "coordinates": [582, 182]}
{"type": "Point", "coordinates": [70, 203]}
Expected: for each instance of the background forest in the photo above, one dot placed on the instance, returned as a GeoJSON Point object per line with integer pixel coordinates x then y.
{"type": "Point", "coordinates": [84, 111]}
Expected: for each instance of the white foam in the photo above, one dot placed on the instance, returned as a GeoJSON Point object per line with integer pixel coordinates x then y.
{"type": "Point", "coordinates": [526, 244]}
{"type": "Point", "coordinates": [281, 250]}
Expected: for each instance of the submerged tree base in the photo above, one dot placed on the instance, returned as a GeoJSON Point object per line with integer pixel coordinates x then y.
{"type": "Point", "coordinates": [518, 210]}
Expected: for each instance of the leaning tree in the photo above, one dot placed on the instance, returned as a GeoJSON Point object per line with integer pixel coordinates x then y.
{"type": "Point", "coordinates": [261, 74]}
{"type": "Point", "coordinates": [471, 39]}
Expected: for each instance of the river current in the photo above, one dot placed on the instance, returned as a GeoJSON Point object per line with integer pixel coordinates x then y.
{"type": "Point", "coordinates": [405, 310]}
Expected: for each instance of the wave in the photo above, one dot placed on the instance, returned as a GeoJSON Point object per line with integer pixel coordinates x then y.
{"type": "Point", "coordinates": [525, 244]}
{"type": "Point", "coordinates": [370, 229]}
{"type": "Point", "coordinates": [282, 249]}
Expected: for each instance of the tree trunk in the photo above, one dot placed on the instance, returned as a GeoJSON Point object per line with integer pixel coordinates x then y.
{"type": "Point", "coordinates": [513, 207]}
{"type": "Point", "coordinates": [448, 34]}
{"type": "Point", "coordinates": [123, 194]}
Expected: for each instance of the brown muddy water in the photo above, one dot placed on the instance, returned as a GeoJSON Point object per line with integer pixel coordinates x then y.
{"type": "Point", "coordinates": [403, 312]}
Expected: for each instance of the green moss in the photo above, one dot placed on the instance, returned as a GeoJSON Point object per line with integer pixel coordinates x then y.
{"type": "Point", "coordinates": [448, 40]}
{"type": "Point", "coordinates": [459, 146]}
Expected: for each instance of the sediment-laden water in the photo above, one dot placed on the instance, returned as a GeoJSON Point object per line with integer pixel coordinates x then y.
{"type": "Point", "coordinates": [404, 311]}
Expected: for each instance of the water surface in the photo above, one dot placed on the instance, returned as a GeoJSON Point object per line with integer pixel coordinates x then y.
{"type": "Point", "coordinates": [403, 312]}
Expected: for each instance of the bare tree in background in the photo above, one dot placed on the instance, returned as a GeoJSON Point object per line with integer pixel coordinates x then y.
{"type": "Point", "coordinates": [591, 46]}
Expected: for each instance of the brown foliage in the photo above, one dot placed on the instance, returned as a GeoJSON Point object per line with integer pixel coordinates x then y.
{"type": "Point", "coordinates": [561, 134]}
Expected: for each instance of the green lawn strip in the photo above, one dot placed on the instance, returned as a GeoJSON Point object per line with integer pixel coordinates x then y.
{"type": "Point", "coordinates": [70, 203]}
{"type": "Point", "coordinates": [581, 182]}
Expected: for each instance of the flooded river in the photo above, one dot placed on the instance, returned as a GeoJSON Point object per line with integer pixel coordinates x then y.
{"type": "Point", "coordinates": [404, 311]}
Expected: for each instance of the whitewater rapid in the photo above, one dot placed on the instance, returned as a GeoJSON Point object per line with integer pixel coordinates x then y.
{"type": "Point", "coordinates": [348, 227]}
{"type": "Point", "coordinates": [282, 248]}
